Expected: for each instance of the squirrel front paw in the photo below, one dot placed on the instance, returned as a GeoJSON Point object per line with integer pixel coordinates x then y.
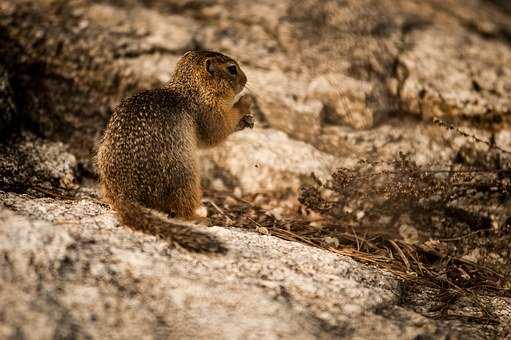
{"type": "Point", "coordinates": [244, 104]}
{"type": "Point", "coordinates": [247, 121]}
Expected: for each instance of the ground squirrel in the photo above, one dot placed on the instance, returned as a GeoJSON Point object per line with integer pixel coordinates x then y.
{"type": "Point", "coordinates": [147, 157]}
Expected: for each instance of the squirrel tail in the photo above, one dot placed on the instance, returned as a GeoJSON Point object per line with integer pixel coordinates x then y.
{"type": "Point", "coordinates": [143, 219]}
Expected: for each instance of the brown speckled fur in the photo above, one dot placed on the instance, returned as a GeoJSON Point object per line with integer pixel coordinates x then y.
{"type": "Point", "coordinates": [147, 157]}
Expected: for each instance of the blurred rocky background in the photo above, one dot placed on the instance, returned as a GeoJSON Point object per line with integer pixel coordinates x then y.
{"type": "Point", "coordinates": [334, 83]}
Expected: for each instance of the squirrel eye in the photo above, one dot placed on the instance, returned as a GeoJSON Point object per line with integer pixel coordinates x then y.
{"type": "Point", "coordinates": [232, 69]}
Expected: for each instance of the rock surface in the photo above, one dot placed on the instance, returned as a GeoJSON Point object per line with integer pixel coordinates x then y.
{"type": "Point", "coordinates": [479, 87]}
{"type": "Point", "coordinates": [350, 63]}
{"type": "Point", "coordinates": [30, 161]}
{"type": "Point", "coordinates": [69, 270]}
{"type": "Point", "coordinates": [334, 82]}
{"type": "Point", "coordinates": [266, 160]}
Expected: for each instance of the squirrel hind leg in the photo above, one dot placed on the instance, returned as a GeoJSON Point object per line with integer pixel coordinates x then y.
{"type": "Point", "coordinates": [185, 203]}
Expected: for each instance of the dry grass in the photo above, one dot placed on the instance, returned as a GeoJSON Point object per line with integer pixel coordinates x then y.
{"type": "Point", "coordinates": [360, 214]}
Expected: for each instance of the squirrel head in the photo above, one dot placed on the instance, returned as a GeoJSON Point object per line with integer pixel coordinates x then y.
{"type": "Point", "coordinates": [212, 74]}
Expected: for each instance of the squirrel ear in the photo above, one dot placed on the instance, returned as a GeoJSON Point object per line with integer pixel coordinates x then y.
{"type": "Point", "coordinates": [209, 67]}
